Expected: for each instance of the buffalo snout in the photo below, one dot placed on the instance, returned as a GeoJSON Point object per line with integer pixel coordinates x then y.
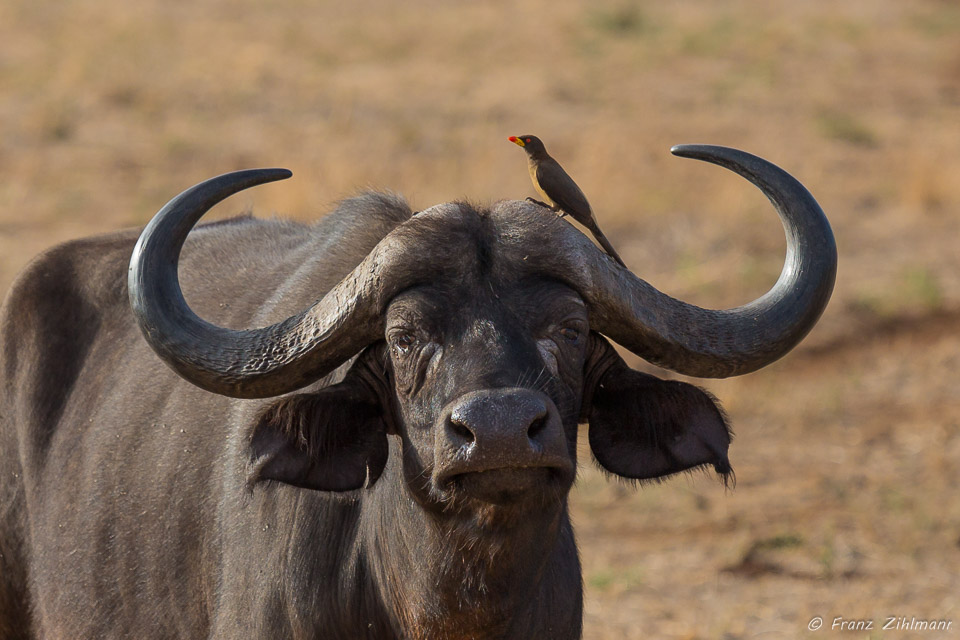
{"type": "Point", "coordinates": [498, 442]}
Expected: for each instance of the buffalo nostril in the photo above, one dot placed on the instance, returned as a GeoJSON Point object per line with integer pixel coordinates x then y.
{"type": "Point", "coordinates": [500, 429]}
{"type": "Point", "coordinates": [538, 425]}
{"type": "Point", "coordinates": [461, 430]}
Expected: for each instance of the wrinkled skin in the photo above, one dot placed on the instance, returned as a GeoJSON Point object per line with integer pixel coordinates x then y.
{"type": "Point", "coordinates": [505, 514]}
{"type": "Point", "coordinates": [533, 336]}
{"type": "Point", "coordinates": [418, 492]}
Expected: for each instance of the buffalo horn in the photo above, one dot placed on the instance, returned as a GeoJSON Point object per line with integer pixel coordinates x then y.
{"type": "Point", "coordinates": [252, 363]}
{"type": "Point", "coordinates": [710, 343]}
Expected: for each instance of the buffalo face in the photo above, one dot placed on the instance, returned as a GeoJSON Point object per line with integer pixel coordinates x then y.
{"type": "Point", "coordinates": [487, 383]}
{"type": "Point", "coordinates": [484, 388]}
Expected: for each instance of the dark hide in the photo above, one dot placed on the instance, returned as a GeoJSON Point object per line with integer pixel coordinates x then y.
{"type": "Point", "coordinates": [642, 427]}
{"type": "Point", "coordinates": [331, 440]}
{"type": "Point", "coordinates": [380, 502]}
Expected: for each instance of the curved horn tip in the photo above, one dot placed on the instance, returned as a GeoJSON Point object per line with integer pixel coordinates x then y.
{"type": "Point", "coordinates": [702, 151]}
{"type": "Point", "coordinates": [253, 176]}
{"type": "Point", "coordinates": [272, 174]}
{"type": "Point", "coordinates": [681, 149]}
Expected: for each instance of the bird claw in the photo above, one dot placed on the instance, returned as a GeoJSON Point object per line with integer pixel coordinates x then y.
{"type": "Point", "coordinates": [542, 204]}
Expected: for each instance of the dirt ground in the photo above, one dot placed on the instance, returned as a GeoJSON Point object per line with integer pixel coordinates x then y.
{"type": "Point", "coordinates": [848, 450]}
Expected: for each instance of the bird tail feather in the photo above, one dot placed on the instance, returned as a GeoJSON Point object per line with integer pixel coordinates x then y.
{"type": "Point", "coordinates": [602, 239]}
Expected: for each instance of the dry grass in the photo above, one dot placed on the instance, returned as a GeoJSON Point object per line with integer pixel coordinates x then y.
{"type": "Point", "coordinates": [848, 450]}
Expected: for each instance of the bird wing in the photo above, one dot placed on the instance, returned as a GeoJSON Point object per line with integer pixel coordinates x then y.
{"type": "Point", "coordinates": [561, 188]}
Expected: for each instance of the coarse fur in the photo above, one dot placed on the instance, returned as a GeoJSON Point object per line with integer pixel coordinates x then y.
{"type": "Point", "coordinates": [133, 504]}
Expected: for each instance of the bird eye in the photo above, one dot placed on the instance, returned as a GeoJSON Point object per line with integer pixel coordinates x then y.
{"type": "Point", "coordinates": [527, 140]}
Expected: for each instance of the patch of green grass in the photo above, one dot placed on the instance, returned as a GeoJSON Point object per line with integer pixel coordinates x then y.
{"type": "Point", "coordinates": [622, 20]}
{"type": "Point", "coordinates": [941, 21]}
{"type": "Point", "coordinates": [178, 145]}
{"type": "Point", "coordinates": [870, 303]}
{"type": "Point", "coordinates": [690, 268]}
{"type": "Point", "coordinates": [601, 580]}
{"type": "Point", "coordinates": [893, 500]}
{"type": "Point", "coordinates": [781, 541]}
{"type": "Point", "coordinates": [58, 124]}
{"type": "Point", "coordinates": [922, 287]}
{"type": "Point", "coordinates": [916, 289]}
{"type": "Point", "coordinates": [711, 40]}
{"type": "Point", "coordinates": [837, 27]}
{"type": "Point", "coordinates": [611, 579]}
{"type": "Point", "coordinates": [846, 127]}
{"type": "Point", "coordinates": [758, 273]}
{"type": "Point", "coordinates": [835, 488]}
{"type": "Point", "coordinates": [828, 558]}
{"type": "Point", "coordinates": [760, 74]}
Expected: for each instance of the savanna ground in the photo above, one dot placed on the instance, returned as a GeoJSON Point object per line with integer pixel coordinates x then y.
{"type": "Point", "coordinates": [847, 451]}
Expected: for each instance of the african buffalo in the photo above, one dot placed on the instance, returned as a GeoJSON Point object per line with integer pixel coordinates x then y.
{"type": "Point", "coordinates": [393, 462]}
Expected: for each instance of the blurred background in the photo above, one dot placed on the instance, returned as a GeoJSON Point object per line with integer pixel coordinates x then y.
{"type": "Point", "coordinates": [847, 451]}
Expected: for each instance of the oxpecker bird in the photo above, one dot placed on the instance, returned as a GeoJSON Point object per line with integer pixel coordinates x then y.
{"type": "Point", "coordinates": [559, 190]}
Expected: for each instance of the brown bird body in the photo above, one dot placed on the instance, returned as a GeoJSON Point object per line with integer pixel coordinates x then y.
{"type": "Point", "coordinates": [558, 189]}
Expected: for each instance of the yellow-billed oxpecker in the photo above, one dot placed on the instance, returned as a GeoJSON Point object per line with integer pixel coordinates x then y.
{"type": "Point", "coordinates": [559, 190]}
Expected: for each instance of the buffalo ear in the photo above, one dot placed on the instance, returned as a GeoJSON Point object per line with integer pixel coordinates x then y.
{"type": "Point", "coordinates": [331, 440]}
{"type": "Point", "coordinates": [642, 427]}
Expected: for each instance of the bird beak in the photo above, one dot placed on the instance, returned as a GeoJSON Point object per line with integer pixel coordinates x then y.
{"type": "Point", "coordinates": [517, 141]}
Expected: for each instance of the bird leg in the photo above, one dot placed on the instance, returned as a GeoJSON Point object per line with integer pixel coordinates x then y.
{"type": "Point", "coordinates": [542, 204]}
{"type": "Point", "coordinates": [555, 208]}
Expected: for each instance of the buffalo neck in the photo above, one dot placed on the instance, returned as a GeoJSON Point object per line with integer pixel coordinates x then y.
{"type": "Point", "coordinates": [490, 573]}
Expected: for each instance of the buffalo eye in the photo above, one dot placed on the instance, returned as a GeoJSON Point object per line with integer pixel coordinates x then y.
{"type": "Point", "coordinates": [403, 343]}
{"type": "Point", "coordinates": [570, 333]}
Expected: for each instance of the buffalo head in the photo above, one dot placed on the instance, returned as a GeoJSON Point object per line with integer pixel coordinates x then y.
{"type": "Point", "coordinates": [479, 334]}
